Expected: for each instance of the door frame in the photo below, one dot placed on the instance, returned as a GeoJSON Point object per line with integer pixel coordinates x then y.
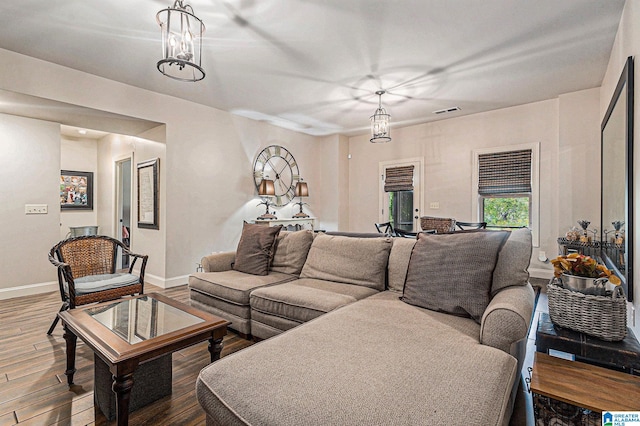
{"type": "Point", "coordinates": [117, 204]}
{"type": "Point", "coordinates": [418, 178]}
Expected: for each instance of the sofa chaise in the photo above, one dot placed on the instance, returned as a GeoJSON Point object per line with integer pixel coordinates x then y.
{"type": "Point", "coordinates": [371, 330]}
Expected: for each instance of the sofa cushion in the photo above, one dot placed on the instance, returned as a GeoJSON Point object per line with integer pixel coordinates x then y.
{"type": "Point", "coordinates": [399, 262]}
{"type": "Point", "coordinates": [453, 273]}
{"type": "Point", "coordinates": [233, 286]}
{"type": "Point", "coordinates": [291, 251]}
{"type": "Point", "coordinates": [358, 292]}
{"type": "Point", "coordinates": [255, 248]}
{"type": "Point", "coordinates": [512, 267]}
{"type": "Point", "coordinates": [358, 261]}
{"type": "Point", "coordinates": [297, 302]}
{"type": "Point", "coordinates": [357, 365]}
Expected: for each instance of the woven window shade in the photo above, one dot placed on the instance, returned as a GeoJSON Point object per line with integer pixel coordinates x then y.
{"type": "Point", "coordinates": [398, 179]}
{"type": "Point", "coordinates": [504, 172]}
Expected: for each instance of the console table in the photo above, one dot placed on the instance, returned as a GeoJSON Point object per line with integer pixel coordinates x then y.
{"type": "Point", "coordinates": [574, 393]}
{"type": "Point", "coordinates": [623, 355]}
{"type": "Point", "coordinates": [289, 224]}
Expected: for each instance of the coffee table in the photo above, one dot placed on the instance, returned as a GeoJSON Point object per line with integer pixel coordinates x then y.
{"type": "Point", "coordinates": [125, 333]}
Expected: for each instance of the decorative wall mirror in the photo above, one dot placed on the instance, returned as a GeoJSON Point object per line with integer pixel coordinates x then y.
{"type": "Point", "coordinates": [617, 181]}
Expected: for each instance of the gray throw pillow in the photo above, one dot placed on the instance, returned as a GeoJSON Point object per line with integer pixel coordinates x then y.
{"type": "Point", "coordinates": [452, 273]}
{"type": "Point", "coordinates": [255, 249]}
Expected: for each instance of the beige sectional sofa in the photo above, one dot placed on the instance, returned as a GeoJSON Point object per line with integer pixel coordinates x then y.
{"type": "Point", "coordinates": [347, 344]}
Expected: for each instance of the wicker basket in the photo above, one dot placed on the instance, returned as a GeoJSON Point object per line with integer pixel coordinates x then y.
{"type": "Point", "coordinates": [600, 316]}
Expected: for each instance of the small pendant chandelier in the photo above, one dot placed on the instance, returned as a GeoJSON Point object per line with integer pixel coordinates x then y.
{"type": "Point", "coordinates": [380, 130]}
{"type": "Point", "coordinates": [181, 43]}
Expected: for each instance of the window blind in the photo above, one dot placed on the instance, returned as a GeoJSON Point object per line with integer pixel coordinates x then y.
{"type": "Point", "coordinates": [504, 172]}
{"type": "Point", "coordinates": [398, 179]}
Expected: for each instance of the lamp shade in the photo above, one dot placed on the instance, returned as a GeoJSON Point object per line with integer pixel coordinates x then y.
{"type": "Point", "coordinates": [302, 190]}
{"type": "Point", "coordinates": [266, 188]}
{"type": "Point", "coordinates": [181, 43]}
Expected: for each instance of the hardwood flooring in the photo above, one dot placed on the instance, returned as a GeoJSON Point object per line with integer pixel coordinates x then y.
{"type": "Point", "coordinates": [34, 391]}
{"type": "Point", "coordinates": [33, 387]}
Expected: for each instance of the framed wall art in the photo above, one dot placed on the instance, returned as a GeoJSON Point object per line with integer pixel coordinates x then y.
{"type": "Point", "coordinates": [76, 190]}
{"type": "Point", "coordinates": [148, 194]}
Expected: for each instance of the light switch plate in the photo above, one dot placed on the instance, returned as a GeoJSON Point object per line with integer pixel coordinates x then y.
{"type": "Point", "coordinates": [36, 209]}
{"type": "Point", "coordinates": [434, 205]}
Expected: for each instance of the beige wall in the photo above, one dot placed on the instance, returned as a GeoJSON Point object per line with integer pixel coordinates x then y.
{"type": "Point", "coordinates": [627, 43]}
{"type": "Point", "coordinates": [446, 147]}
{"type": "Point", "coordinates": [207, 187]}
{"type": "Point", "coordinates": [29, 156]}
{"type": "Point", "coordinates": [206, 176]}
{"type": "Point", "coordinates": [112, 148]}
{"type": "Point", "coordinates": [578, 190]}
{"type": "Point", "coordinates": [566, 130]}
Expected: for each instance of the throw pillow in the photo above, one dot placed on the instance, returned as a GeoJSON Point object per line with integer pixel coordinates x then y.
{"type": "Point", "coordinates": [255, 249]}
{"type": "Point", "coordinates": [512, 268]}
{"type": "Point", "coordinates": [349, 260]}
{"type": "Point", "coordinates": [291, 251]}
{"type": "Point", "coordinates": [452, 273]}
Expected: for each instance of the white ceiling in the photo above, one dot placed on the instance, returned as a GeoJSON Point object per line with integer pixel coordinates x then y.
{"type": "Point", "coordinates": [314, 65]}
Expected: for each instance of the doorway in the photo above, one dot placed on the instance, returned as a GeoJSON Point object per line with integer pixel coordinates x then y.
{"type": "Point", "coordinates": [400, 201]}
{"type": "Point", "coordinates": [124, 186]}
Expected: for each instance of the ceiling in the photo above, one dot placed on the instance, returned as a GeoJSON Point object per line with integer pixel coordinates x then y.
{"type": "Point", "coordinates": [314, 65]}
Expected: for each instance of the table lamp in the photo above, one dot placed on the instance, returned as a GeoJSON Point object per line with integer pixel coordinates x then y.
{"type": "Point", "coordinates": [266, 189]}
{"type": "Point", "coordinates": [302, 190]}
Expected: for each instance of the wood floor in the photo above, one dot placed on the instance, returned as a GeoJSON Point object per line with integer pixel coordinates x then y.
{"type": "Point", "coordinates": [33, 387]}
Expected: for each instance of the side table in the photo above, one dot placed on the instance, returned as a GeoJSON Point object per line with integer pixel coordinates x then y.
{"type": "Point", "coordinates": [289, 224]}
{"type": "Point", "coordinates": [623, 355]}
{"type": "Point", "coordinates": [571, 392]}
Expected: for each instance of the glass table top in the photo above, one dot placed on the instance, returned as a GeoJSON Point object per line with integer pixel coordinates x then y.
{"type": "Point", "coordinates": [142, 318]}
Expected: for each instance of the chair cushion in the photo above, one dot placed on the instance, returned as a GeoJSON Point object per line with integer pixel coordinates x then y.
{"type": "Point", "coordinates": [452, 273]}
{"type": "Point", "coordinates": [349, 260]}
{"type": "Point", "coordinates": [255, 248]}
{"type": "Point", "coordinates": [93, 283]}
{"type": "Point", "coordinates": [291, 251]}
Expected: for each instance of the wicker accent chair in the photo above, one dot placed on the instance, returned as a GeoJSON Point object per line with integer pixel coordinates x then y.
{"type": "Point", "coordinates": [87, 271]}
{"type": "Point", "coordinates": [440, 224]}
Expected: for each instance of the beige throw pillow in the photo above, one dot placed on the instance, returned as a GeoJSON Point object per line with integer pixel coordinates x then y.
{"type": "Point", "coordinates": [291, 251]}
{"type": "Point", "coordinates": [452, 273]}
{"type": "Point", "coordinates": [349, 260]}
{"type": "Point", "coordinates": [512, 268]}
{"type": "Point", "coordinates": [255, 249]}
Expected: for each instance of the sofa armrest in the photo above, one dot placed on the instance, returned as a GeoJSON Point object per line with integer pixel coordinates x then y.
{"type": "Point", "coordinates": [218, 262]}
{"type": "Point", "coordinates": [506, 321]}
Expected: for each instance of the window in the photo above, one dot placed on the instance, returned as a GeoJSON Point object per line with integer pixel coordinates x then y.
{"type": "Point", "coordinates": [401, 210]}
{"type": "Point", "coordinates": [400, 193]}
{"type": "Point", "coordinates": [507, 187]}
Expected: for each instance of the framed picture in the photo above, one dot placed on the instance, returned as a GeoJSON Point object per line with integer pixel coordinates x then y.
{"type": "Point", "coordinates": [148, 194]}
{"type": "Point", "coordinates": [76, 190]}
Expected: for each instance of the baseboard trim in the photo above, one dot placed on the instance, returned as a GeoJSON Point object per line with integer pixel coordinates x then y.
{"type": "Point", "coordinates": [166, 282]}
{"type": "Point", "coordinates": [28, 290]}
{"type": "Point", "coordinates": [546, 274]}
{"type": "Point", "coordinates": [47, 287]}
